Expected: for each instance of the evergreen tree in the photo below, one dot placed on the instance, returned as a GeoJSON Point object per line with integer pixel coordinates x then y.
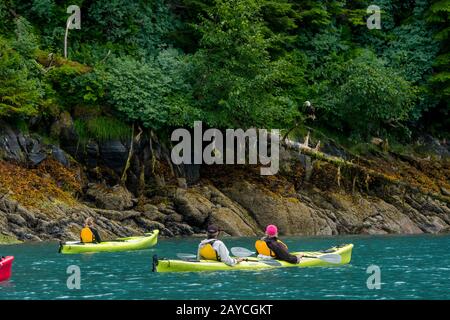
{"type": "Point", "coordinates": [19, 93]}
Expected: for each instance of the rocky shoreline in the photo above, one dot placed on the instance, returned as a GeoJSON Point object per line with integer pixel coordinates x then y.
{"type": "Point", "coordinates": [56, 187]}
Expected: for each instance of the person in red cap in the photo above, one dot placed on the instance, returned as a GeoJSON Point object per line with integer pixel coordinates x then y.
{"type": "Point", "coordinates": [271, 246]}
{"type": "Point", "coordinates": [214, 249]}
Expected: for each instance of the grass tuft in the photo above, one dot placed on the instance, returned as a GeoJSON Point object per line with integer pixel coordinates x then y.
{"type": "Point", "coordinates": [101, 129]}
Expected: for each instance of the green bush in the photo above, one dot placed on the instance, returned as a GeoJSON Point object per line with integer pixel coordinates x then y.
{"type": "Point", "coordinates": [26, 42]}
{"type": "Point", "coordinates": [72, 82]}
{"type": "Point", "coordinates": [364, 96]}
{"type": "Point", "coordinates": [152, 92]}
{"type": "Point", "coordinates": [20, 95]}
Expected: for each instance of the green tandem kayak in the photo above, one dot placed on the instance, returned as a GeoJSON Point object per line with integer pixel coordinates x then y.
{"type": "Point", "coordinates": [313, 260]}
{"type": "Point", "coordinates": [121, 244]}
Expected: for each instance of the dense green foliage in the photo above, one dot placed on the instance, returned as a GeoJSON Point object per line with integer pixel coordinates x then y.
{"type": "Point", "coordinates": [236, 83]}
{"type": "Point", "coordinates": [366, 95]}
{"type": "Point", "coordinates": [439, 14]}
{"type": "Point", "coordinates": [151, 92]}
{"type": "Point", "coordinates": [19, 92]}
{"type": "Point", "coordinates": [230, 63]}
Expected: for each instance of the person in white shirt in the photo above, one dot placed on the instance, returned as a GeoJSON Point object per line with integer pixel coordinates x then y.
{"type": "Point", "coordinates": [214, 249]}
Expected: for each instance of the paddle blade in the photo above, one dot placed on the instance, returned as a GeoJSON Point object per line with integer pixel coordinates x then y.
{"type": "Point", "coordinates": [331, 258]}
{"type": "Point", "coordinates": [241, 252]}
{"type": "Point", "coordinates": [186, 256]}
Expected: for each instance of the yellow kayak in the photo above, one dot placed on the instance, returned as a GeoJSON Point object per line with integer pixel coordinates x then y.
{"type": "Point", "coordinates": [313, 259]}
{"type": "Point", "coordinates": [121, 244]}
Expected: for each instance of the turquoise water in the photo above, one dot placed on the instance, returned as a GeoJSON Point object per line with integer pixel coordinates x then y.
{"type": "Point", "coordinates": [412, 267]}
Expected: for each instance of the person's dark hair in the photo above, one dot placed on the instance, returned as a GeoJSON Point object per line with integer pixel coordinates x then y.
{"type": "Point", "coordinates": [212, 231]}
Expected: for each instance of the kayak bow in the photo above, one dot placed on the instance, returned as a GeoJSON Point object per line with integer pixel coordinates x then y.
{"type": "Point", "coordinates": [5, 267]}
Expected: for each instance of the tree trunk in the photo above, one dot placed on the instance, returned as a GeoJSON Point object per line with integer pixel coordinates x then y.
{"type": "Point", "coordinates": [152, 152]}
{"type": "Point", "coordinates": [123, 179]}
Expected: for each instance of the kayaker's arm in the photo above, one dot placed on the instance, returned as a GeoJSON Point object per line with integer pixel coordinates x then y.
{"type": "Point", "coordinates": [223, 253]}
{"type": "Point", "coordinates": [96, 235]}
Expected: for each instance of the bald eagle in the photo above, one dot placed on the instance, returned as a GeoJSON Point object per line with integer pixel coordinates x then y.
{"type": "Point", "coordinates": [310, 110]}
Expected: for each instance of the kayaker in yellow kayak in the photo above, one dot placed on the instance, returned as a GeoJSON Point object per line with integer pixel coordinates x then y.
{"type": "Point", "coordinates": [271, 246]}
{"type": "Point", "coordinates": [88, 233]}
{"type": "Point", "coordinates": [214, 249]}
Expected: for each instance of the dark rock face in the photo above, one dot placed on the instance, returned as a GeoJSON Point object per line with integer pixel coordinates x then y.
{"type": "Point", "coordinates": [191, 173]}
{"type": "Point", "coordinates": [433, 145]}
{"type": "Point", "coordinates": [35, 151]}
{"type": "Point", "coordinates": [36, 158]}
{"type": "Point", "coordinates": [25, 149]}
{"type": "Point", "coordinates": [11, 143]}
{"type": "Point", "coordinates": [59, 155]}
{"type": "Point", "coordinates": [106, 160]}
{"type": "Point", "coordinates": [92, 154]}
{"type": "Point", "coordinates": [113, 155]}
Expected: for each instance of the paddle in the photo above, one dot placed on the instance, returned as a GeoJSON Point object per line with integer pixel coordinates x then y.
{"type": "Point", "coordinates": [191, 257]}
{"type": "Point", "coordinates": [330, 257]}
{"type": "Point", "coordinates": [272, 263]}
{"type": "Point", "coordinates": [186, 256]}
{"type": "Point", "coordinates": [241, 252]}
